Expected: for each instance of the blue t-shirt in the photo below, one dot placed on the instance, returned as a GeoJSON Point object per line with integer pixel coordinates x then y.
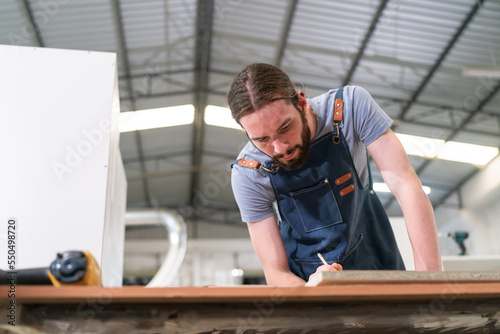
{"type": "Point", "coordinates": [364, 121]}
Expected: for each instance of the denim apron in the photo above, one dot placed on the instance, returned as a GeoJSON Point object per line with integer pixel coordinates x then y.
{"type": "Point", "coordinates": [324, 208]}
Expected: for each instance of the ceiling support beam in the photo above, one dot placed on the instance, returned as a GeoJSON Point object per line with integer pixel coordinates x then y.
{"type": "Point", "coordinates": [464, 122]}
{"type": "Point", "coordinates": [441, 58]}
{"type": "Point", "coordinates": [462, 126]}
{"type": "Point", "coordinates": [452, 135]}
{"type": "Point", "coordinates": [375, 96]}
{"type": "Point", "coordinates": [28, 10]}
{"type": "Point", "coordinates": [122, 48]}
{"type": "Point", "coordinates": [364, 43]}
{"type": "Point", "coordinates": [167, 94]}
{"type": "Point", "coordinates": [285, 32]}
{"type": "Point", "coordinates": [172, 172]}
{"type": "Point", "coordinates": [480, 106]}
{"type": "Point", "coordinates": [159, 74]}
{"type": "Point", "coordinates": [180, 153]}
{"type": "Point", "coordinates": [204, 21]}
{"type": "Point", "coordinates": [408, 121]}
{"type": "Point", "coordinates": [456, 189]}
{"type": "Point", "coordinates": [448, 128]}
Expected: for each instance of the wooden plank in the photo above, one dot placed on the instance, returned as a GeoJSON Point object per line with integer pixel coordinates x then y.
{"type": "Point", "coordinates": [402, 277]}
{"type": "Point", "coordinates": [359, 305]}
{"type": "Point", "coordinates": [325, 293]}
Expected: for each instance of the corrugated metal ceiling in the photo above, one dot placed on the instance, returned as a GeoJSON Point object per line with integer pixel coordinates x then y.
{"type": "Point", "coordinates": [408, 54]}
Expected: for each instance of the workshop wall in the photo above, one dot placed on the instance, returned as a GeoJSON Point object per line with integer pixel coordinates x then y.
{"type": "Point", "coordinates": [477, 213]}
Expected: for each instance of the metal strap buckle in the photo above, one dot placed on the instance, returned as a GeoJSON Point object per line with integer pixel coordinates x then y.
{"type": "Point", "coordinates": [273, 168]}
{"type": "Point", "coordinates": [336, 137]}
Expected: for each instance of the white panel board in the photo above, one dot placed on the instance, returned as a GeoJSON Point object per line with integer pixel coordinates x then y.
{"type": "Point", "coordinates": [59, 142]}
{"type": "Point", "coordinates": [403, 241]}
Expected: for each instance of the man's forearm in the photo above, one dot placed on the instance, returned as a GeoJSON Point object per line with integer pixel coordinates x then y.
{"type": "Point", "coordinates": [421, 226]}
{"type": "Point", "coordinates": [278, 277]}
{"type": "Point", "coordinates": [392, 161]}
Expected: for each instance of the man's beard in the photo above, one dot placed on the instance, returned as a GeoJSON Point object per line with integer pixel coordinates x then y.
{"type": "Point", "coordinates": [303, 150]}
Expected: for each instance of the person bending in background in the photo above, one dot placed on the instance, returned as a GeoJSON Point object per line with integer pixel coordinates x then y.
{"type": "Point", "coordinates": [303, 183]}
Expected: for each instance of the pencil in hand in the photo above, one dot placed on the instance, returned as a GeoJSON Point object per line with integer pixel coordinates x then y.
{"type": "Point", "coordinates": [337, 266]}
{"type": "Point", "coordinates": [322, 259]}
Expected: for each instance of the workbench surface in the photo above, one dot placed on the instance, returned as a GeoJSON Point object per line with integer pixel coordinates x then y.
{"type": "Point", "coordinates": [348, 304]}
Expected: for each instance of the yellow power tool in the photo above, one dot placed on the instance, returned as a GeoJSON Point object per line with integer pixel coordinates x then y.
{"type": "Point", "coordinates": [69, 268]}
{"type": "Point", "coordinates": [74, 268]}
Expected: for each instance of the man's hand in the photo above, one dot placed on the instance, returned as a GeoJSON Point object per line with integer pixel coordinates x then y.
{"type": "Point", "coordinates": [325, 268]}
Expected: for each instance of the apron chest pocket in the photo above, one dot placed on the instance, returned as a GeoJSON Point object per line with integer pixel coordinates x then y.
{"type": "Point", "coordinates": [314, 208]}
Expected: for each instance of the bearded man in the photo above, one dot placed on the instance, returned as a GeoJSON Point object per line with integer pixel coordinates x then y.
{"type": "Point", "coordinates": [303, 183]}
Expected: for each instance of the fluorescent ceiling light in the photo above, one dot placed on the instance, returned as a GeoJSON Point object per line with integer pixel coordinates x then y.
{"type": "Point", "coordinates": [481, 72]}
{"type": "Point", "coordinates": [382, 187]}
{"type": "Point", "coordinates": [220, 116]}
{"type": "Point", "coordinates": [156, 118]}
{"type": "Point", "coordinates": [468, 153]}
{"type": "Point", "coordinates": [453, 151]}
{"type": "Point", "coordinates": [420, 146]}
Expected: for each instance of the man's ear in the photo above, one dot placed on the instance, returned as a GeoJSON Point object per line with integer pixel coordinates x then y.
{"type": "Point", "coordinates": [302, 100]}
